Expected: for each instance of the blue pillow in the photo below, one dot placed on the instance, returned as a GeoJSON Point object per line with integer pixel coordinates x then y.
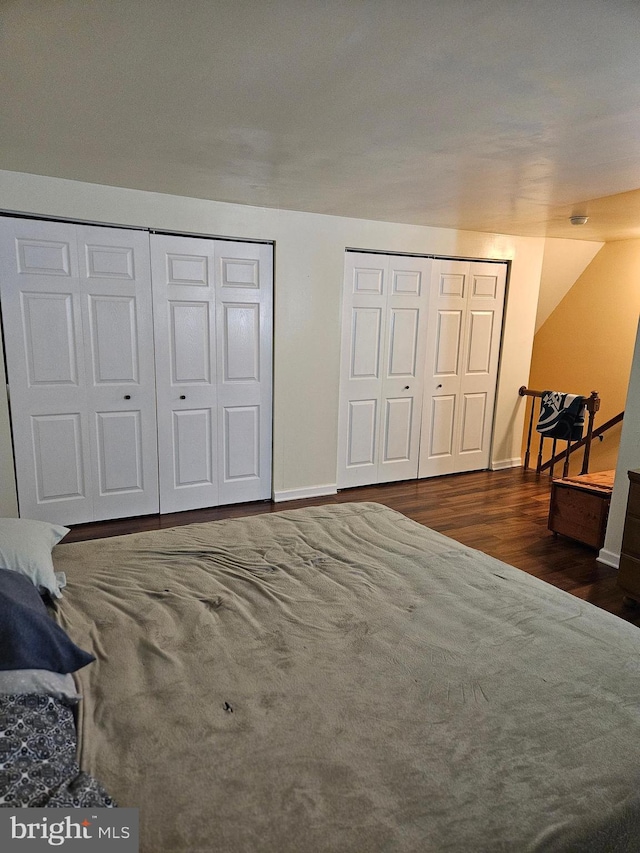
{"type": "Point", "coordinates": [29, 637]}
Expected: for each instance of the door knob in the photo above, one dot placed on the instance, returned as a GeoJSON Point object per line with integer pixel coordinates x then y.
{"type": "Point", "coordinates": [439, 386]}
{"type": "Point", "coordinates": [183, 396]}
{"type": "Point", "coordinates": [406, 387]}
{"type": "Point", "coordinates": [127, 396]}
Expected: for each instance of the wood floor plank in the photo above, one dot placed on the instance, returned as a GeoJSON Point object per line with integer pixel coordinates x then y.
{"type": "Point", "coordinates": [503, 513]}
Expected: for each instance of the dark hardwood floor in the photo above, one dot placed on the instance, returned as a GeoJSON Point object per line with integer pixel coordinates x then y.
{"type": "Point", "coordinates": [503, 513]}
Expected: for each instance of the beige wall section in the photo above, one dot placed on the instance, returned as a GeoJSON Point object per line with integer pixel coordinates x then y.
{"type": "Point", "coordinates": [309, 264]}
{"type": "Point", "coordinates": [563, 263]}
{"type": "Point", "coordinates": [628, 459]}
{"type": "Point", "coordinates": [587, 342]}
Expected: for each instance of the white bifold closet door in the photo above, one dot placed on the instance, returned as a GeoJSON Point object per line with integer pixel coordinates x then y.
{"type": "Point", "coordinates": [463, 346]}
{"type": "Point", "coordinates": [213, 320]}
{"type": "Point", "coordinates": [76, 309]}
{"type": "Point", "coordinates": [383, 350]}
{"type": "Point", "coordinates": [108, 422]}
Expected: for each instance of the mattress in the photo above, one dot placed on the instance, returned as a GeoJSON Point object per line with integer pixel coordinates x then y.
{"type": "Point", "coordinates": [341, 678]}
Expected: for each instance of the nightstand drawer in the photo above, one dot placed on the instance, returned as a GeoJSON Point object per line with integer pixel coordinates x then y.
{"type": "Point", "coordinates": [629, 576]}
{"type": "Point", "coordinates": [631, 538]}
{"type": "Point", "coordinates": [629, 573]}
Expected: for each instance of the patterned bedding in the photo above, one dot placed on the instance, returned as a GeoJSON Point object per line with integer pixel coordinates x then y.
{"type": "Point", "coordinates": [38, 765]}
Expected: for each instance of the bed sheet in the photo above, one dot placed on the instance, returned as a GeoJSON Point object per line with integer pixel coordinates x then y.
{"type": "Point", "coordinates": [341, 678]}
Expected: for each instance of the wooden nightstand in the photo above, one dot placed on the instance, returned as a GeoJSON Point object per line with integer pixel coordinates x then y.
{"type": "Point", "coordinates": [629, 574]}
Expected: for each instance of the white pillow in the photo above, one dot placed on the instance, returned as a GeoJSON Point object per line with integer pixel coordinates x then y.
{"type": "Point", "coordinates": [25, 547]}
{"type": "Point", "coordinates": [38, 681]}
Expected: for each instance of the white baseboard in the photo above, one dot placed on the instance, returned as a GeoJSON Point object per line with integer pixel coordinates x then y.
{"type": "Point", "coordinates": [501, 464]}
{"type": "Point", "coordinates": [308, 492]}
{"type": "Point", "coordinates": [609, 558]}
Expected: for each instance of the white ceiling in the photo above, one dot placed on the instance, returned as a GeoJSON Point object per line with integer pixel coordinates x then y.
{"type": "Point", "coordinates": [491, 115]}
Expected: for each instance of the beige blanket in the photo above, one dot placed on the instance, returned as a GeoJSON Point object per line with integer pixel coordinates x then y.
{"type": "Point", "coordinates": [343, 680]}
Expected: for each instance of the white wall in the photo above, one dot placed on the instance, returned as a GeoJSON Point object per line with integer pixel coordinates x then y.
{"type": "Point", "coordinates": [309, 260]}
{"type": "Point", "coordinates": [628, 459]}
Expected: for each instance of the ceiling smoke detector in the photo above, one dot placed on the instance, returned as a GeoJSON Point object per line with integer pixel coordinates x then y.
{"type": "Point", "coordinates": [579, 220]}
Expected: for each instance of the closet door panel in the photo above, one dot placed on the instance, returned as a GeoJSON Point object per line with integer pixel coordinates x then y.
{"type": "Point", "coordinates": [381, 383]}
{"type": "Point", "coordinates": [403, 365]}
{"type": "Point", "coordinates": [183, 282]}
{"type": "Point", "coordinates": [37, 255]}
{"type": "Point", "coordinates": [403, 343]}
{"type": "Point", "coordinates": [461, 366]}
{"type": "Point", "coordinates": [115, 281]}
{"type": "Point", "coordinates": [480, 336]}
{"type": "Point", "coordinates": [114, 339]}
{"type": "Point", "coordinates": [244, 318]}
{"type": "Point", "coordinates": [447, 342]}
{"type": "Point", "coordinates": [443, 367]}
{"type": "Point", "coordinates": [190, 342]}
{"type": "Point", "coordinates": [241, 443]}
{"type": "Point", "coordinates": [120, 455]}
{"type": "Point", "coordinates": [366, 341]}
{"type": "Point", "coordinates": [478, 382]}
{"type": "Point", "coordinates": [42, 319]}
{"type": "Point", "coordinates": [241, 342]}
{"type": "Point", "coordinates": [364, 320]}
{"type": "Point", "coordinates": [441, 424]}
{"type": "Point", "coordinates": [192, 448]}
{"type": "Point", "coordinates": [49, 339]}
{"type": "Point", "coordinates": [397, 430]}
{"type": "Point", "coordinates": [58, 455]}
{"type": "Point", "coordinates": [474, 411]}
{"type": "Point", "coordinates": [213, 321]}
{"type": "Point", "coordinates": [362, 430]}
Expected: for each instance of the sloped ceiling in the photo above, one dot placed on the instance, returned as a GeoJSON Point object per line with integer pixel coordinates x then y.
{"type": "Point", "coordinates": [490, 115]}
{"type": "Point", "coordinates": [563, 264]}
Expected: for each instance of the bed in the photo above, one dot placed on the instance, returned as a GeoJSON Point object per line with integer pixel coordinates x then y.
{"type": "Point", "coordinates": [343, 679]}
